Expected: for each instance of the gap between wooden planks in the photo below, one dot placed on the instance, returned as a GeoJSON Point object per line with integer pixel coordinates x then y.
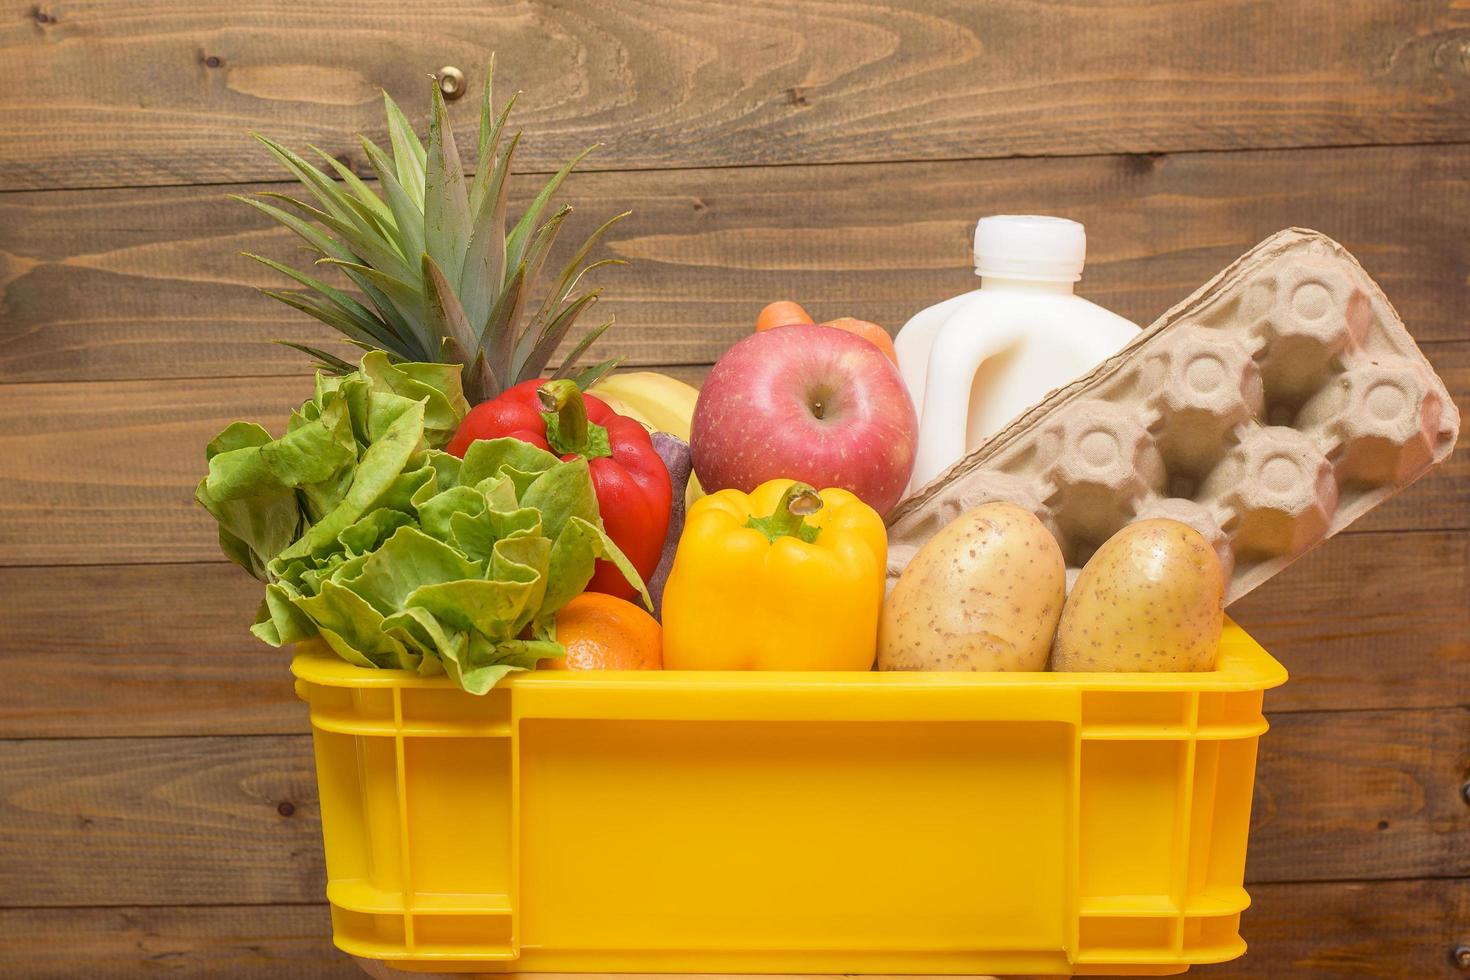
{"type": "Point", "coordinates": [143, 284]}
{"type": "Point", "coordinates": [161, 92]}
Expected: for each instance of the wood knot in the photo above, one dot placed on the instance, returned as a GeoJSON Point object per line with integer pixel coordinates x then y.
{"type": "Point", "coordinates": [212, 61]}
{"type": "Point", "coordinates": [285, 808]}
{"type": "Point", "coordinates": [42, 17]}
{"type": "Point", "coordinates": [795, 96]}
{"type": "Point", "coordinates": [1140, 164]}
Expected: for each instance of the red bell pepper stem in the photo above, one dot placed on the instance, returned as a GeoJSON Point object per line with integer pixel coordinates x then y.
{"type": "Point", "coordinates": [572, 434]}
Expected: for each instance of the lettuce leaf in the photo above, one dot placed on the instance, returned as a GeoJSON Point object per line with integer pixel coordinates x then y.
{"type": "Point", "coordinates": [394, 553]}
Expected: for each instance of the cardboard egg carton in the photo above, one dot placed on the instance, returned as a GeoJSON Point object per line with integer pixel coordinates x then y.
{"type": "Point", "coordinates": [1269, 410]}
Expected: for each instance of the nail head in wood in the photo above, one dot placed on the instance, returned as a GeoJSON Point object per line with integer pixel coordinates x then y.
{"type": "Point", "coordinates": [451, 82]}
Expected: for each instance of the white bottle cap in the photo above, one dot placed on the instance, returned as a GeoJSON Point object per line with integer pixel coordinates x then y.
{"type": "Point", "coordinates": [1030, 246]}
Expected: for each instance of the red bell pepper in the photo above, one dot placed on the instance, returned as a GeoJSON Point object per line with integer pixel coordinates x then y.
{"type": "Point", "coordinates": [632, 484]}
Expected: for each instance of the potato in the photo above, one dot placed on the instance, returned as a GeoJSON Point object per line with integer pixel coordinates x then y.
{"type": "Point", "coordinates": [983, 594]}
{"type": "Point", "coordinates": [1151, 599]}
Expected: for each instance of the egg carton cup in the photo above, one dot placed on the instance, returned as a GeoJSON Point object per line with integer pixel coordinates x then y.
{"type": "Point", "coordinates": [1279, 403]}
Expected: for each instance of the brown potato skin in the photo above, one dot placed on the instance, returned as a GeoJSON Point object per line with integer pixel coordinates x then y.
{"type": "Point", "coordinates": [1150, 599]}
{"type": "Point", "coordinates": [985, 593]}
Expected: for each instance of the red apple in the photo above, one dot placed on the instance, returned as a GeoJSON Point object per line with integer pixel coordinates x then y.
{"type": "Point", "coordinates": [806, 403]}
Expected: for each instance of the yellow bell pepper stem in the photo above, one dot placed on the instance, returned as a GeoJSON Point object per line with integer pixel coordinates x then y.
{"type": "Point", "coordinates": [797, 503]}
{"type": "Point", "coordinates": [784, 578]}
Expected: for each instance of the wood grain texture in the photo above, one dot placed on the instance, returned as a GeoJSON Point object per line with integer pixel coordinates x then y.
{"type": "Point", "coordinates": [158, 92]}
{"type": "Point", "coordinates": [164, 650]}
{"type": "Point", "coordinates": [1372, 620]}
{"type": "Point", "coordinates": [181, 942]}
{"type": "Point", "coordinates": [191, 821]}
{"type": "Point", "coordinates": [130, 285]}
{"type": "Point", "coordinates": [1393, 930]}
{"type": "Point", "coordinates": [1373, 794]}
{"type": "Point", "coordinates": [1390, 930]}
{"type": "Point", "coordinates": [139, 650]}
{"type": "Point", "coordinates": [104, 473]}
{"type": "Point", "coordinates": [202, 820]}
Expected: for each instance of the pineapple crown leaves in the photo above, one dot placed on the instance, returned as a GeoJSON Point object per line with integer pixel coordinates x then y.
{"type": "Point", "coordinates": [438, 275]}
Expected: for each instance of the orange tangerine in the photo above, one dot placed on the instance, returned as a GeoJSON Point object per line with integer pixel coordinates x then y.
{"type": "Point", "coordinates": [603, 632]}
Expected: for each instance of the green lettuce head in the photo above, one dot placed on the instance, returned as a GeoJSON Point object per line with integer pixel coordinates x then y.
{"type": "Point", "coordinates": [393, 552]}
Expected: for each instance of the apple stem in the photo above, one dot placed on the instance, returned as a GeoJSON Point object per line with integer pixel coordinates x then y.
{"type": "Point", "coordinates": [818, 401]}
{"type": "Point", "coordinates": [799, 502]}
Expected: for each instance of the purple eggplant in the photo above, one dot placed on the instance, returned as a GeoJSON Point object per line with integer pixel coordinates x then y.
{"type": "Point", "coordinates": [675, 454]}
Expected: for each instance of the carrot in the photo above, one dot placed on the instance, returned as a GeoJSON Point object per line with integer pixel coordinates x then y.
{"type": "Point", "coordinates": [781, 313]}
{"type": "Point", "coordinates": [870, 332]}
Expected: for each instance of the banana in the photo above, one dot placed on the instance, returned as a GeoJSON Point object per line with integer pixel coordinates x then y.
{"type": "Point", "coordinates": [657, 400]}
{"type": "Point", "coordinates": [623, 408]}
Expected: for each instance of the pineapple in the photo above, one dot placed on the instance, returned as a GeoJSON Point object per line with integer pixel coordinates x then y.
{"type": "Point", "coordinates": [439, 277]}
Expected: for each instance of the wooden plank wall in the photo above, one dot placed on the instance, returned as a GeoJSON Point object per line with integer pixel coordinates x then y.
{"type": "Point", "coordinates": [157, 800]}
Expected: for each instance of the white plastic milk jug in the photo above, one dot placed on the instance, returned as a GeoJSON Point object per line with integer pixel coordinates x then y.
{"type": "Point", "coordinates": [975, 362]}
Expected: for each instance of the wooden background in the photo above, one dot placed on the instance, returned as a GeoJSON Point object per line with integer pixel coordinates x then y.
{"type": "Point", "coordinates": [157, 803]}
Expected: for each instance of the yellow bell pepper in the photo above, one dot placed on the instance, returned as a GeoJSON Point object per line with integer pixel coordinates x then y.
{"type": "Point", "coordinates": [784, 578]}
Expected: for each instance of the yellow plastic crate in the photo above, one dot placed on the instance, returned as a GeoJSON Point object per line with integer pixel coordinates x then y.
{"type": "Point", "coordinates": [680, 822]}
